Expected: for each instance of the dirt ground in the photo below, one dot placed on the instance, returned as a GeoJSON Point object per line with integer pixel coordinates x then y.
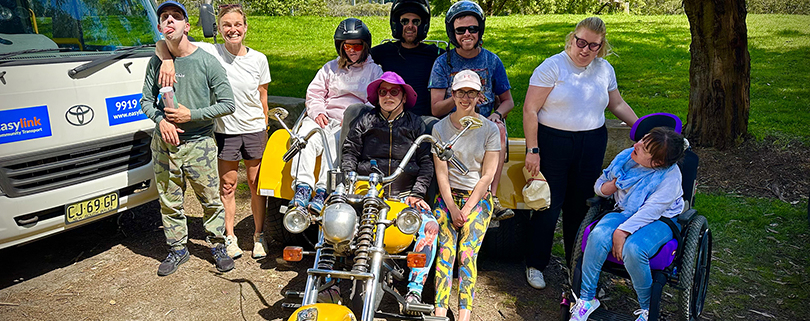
{"type": "Point", "coordinates": [107, 270]}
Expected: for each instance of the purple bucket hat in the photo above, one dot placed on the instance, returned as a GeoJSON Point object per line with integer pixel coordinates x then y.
{"type": "Point", "coordinates": [394, 79]}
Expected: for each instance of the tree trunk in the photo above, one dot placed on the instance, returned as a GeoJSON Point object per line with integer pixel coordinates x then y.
{"type": "Point", "coordinates": [720, 73]}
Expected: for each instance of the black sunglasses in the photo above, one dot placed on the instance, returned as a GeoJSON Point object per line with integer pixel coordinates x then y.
{"type": "Point", "coordinates": [416, 22]}
{"type": "Point", "coordinates": [593, 46]}
{"type": "Point", "coordinates": [471, 29]}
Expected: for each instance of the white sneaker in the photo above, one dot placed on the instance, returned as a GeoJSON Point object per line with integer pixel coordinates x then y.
{"type": "Point", "coordinates": [643, 315]}
{"type": "Point", "coordinates": [582, 309]}
{"type": "Point", "coordinates": [535, 278]}
{"type": "Point", "coordinates": [233, 247]}
{"type": "Point", "coordinates": [259, 246]}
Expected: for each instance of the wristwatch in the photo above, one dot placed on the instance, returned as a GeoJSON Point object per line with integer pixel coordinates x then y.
{"type": "Point", "coordinates": [534, 150]}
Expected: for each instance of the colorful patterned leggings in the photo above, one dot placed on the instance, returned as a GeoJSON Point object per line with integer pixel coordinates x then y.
{"type": "Point", "coordinates": [466, 242]}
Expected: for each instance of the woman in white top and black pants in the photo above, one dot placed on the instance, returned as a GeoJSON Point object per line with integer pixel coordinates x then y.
{"type": "Point", "coordinates": [564, 123]}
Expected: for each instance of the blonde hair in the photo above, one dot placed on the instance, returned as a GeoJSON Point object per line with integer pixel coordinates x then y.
{"type": "Point", "coordinates": [343, 60]}
{"type": "Point", "coordinates": [596, 25]}
{"type": "Point", "coordinates": [237, 9]}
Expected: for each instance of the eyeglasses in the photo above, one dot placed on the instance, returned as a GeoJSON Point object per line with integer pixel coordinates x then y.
{"type": "Point", "coordinates": [393, 91]}
{"type": "Point", "coordinates": [472, 29]}
{"type": "Point", "coordinates": [353, 46]}
{"type": "Point", "coordinates": [469, 94]}
{"type": "Point", "coordinates": [416, 22]}
{"type": "Point", "coordinates": [228, 6]}
{"type": "Point", "coordinates": [593, 46]}
{"type": "Point", "coordinates": [174, 14]}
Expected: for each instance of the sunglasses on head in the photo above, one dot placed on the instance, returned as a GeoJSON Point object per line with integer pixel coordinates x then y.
{"type": "Point", "coordinates": [228, 6]}
{"type": "Point", "coordinates": [174, 14]}
{"type": "Point", "coordinates": [416, 22]}
{"type": "Point", "coordinates": [471, 29]}
{"type": "Point", "coordinates": [582, 43]}
{"type": "Point", "coordinates": [393, 91]}
{"type": "Point", "coordinates": [466, 93]}
{"type": "Point", "coordinates": [353, 46]}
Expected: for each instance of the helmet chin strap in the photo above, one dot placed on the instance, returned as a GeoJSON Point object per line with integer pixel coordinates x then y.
{"type": "Point", "coordinates": [388, 117]}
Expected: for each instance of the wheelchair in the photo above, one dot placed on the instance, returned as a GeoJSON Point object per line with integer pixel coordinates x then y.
{"type": "Point", "coordinates": [683, 263]}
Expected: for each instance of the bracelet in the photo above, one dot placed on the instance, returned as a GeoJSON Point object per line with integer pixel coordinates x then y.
{"type": "Point", "coordinates": [499, 114]}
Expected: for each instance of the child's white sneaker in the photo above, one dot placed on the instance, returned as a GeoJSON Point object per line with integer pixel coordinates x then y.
{"type": "Point", "coordinates": [643, 315]}
{"type": "Point", "coordinates": [582, 309]}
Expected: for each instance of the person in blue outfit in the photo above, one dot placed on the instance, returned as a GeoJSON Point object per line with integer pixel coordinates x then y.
{"type": "Point", "coordinates": [645, 182]}
{"type": "Point", "coordinates": [464, 24]}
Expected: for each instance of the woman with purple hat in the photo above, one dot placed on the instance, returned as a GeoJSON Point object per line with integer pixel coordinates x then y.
{"type": "Point", "coordinates": [384, 134]}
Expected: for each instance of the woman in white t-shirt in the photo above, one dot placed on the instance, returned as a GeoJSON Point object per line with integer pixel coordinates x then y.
{"type": "Point", "coordinates": [463, 207]}
{"type": "Point", "coordinates": [564, 125]}
{"type": "Point", "coordinates": [243, 134]}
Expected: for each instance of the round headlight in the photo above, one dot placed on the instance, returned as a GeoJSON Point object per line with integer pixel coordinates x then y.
{"type": "Point", "coordinates": [296, 220]}
{"type": "Point", "coordinates": [339, 223]}
{"type": "Point", "coordinates": [408, 221]}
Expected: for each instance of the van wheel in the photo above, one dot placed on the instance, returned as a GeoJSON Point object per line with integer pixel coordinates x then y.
{"type": "Point", "coordinates": [274, 226]}
{"type": "Point", "coordinates": [506, 242]}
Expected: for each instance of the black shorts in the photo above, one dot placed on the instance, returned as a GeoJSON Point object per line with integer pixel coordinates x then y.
{"type": "Point", "coordinates": [241, 146]}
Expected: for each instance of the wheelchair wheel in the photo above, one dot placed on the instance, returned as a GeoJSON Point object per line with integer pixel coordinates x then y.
{"type": "Point", "coordinates": [576, 255]}
{"type": "Point", "coordinates": [695, 265]}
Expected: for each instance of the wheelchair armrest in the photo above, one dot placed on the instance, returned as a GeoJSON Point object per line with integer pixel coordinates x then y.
{"type": "Point", "coordinates": [596, 201]}
{"type": "Point", "coordinates": [685, 217]}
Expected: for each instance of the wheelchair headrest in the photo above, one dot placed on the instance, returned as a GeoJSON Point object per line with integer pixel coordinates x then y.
{"type": "Point", "coordinates": [648, 122]}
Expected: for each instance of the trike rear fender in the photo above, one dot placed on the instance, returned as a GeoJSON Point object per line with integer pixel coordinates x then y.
{"type": "Point", "coordinates": [274, 174]}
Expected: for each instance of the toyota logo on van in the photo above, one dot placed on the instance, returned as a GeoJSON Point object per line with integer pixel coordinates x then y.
{"type": "Point", "coordinates": [79, 115]}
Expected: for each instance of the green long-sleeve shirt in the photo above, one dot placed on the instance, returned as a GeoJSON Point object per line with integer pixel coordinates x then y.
{"type": "Point", "coordinates": [202, 86]}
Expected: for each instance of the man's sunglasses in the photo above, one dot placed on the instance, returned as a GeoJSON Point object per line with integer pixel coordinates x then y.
{"type": "Point", "coordinates": [472, 29]}
{"type": "Point", "coordinates": [353, 46]}
{"type": "Point", "coordinates": [393, 91]}
{"type": "Point", "coordinates": [174, 14]}
{"type": "Point", "coordinates": [582, 43]}
{"type": "Point", "coordinates": [416, 22]}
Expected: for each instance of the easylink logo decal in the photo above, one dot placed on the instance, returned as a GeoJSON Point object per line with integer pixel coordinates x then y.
{"type": "Point", "coordinates": [24, 124]}
{"type": "Point", "coordinates": [124, 109]}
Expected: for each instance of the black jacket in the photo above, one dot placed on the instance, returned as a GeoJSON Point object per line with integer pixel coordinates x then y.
{"type": "Point", "coordinates": [372, 137]}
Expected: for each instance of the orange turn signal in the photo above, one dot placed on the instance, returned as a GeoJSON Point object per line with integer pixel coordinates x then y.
{"type": "Point", "coordinates": [293, 253]}
{"type": "Point", "coordinates": [416, 260]}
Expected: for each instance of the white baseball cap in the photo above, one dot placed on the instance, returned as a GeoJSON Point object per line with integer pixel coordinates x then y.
{"type": "Point", "coordinates": [466, 78]}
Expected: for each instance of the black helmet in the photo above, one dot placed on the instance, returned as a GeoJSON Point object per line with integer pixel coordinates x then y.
{"type": "Point", "coordinates": [460, 9]}
{"type": "Point", "coordinates": [419, 7]}
{"type": "Point", "coordinates": [352, 28]}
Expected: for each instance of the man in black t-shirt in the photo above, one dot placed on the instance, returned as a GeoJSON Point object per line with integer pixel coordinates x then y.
{"type": "Point", "coordinates": [409, 57]}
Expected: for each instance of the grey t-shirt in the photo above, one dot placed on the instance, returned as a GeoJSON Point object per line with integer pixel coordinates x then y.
{"type": "Point", "coordinates": [469, 149]}
{"type": "Point", "coordinates": [202, 86]}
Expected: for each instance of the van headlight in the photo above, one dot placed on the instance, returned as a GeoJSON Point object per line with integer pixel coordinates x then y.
{"type": "Point", "coordinates": [339, 223]}
{"type": "Point", "coordinates": [296, 220]}
{"type": "Point", "coordinates": [409, 221]}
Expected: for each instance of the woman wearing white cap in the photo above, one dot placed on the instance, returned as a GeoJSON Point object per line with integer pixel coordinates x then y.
{"type": "Point", "coordinates": [464, 204]}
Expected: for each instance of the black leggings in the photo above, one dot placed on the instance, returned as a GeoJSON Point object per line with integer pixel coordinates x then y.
{"type": "Point", "coordinates": [571, 163]}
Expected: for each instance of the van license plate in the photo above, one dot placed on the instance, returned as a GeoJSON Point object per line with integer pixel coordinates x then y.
{"type": "Point", "coordinates": [88, 208]}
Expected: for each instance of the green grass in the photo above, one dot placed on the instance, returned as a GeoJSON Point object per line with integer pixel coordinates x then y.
{"type": "Point", "coordinates": [652, 65]}
{"type": "Point", "coordinates": [759, 259]}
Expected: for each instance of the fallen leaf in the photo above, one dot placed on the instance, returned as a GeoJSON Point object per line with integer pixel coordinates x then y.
{"type": "Point", "coordinates": [763, 314]}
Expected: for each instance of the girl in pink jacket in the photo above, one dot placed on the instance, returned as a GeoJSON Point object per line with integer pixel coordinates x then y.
{"type": "Point", "coordinates": [338, 84]}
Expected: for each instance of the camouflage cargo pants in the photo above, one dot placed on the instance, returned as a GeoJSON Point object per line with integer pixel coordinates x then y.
{"type": "Point", "coordinates": [194, 162]}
